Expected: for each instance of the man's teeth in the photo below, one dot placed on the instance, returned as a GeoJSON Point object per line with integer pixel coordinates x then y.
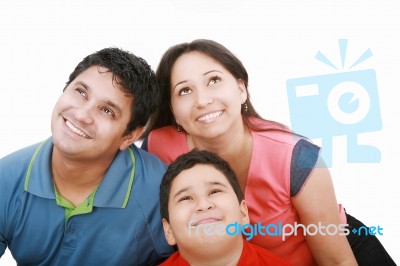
{"type": "Point", "coordinates": [209, 116]}
{"type": "Point", "coordinates": [76, 130]}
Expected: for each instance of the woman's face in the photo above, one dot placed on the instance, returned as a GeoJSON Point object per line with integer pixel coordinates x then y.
{"type": "Point", "coordinates": [206, 98]}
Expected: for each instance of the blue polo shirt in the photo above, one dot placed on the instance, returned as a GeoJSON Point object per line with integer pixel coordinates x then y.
{"type": "Point", "coordinates": [119, 224]}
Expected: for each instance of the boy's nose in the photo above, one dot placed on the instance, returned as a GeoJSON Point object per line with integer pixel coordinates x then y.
{"type": "Point", "coordinates": [205, 204]}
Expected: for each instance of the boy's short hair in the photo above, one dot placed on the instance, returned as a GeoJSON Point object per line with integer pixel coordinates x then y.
{"type": "Point", "coordinates": [189, 160]}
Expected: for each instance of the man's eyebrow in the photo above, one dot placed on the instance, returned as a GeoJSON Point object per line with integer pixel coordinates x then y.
{"type": "Point", "coordinates": [114, 106]}
{"type": "Point", "coordinates": [83, 84]}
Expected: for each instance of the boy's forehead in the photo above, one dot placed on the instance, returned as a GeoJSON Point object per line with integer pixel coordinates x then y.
{"type": "Point", "coordinates": [200, 173]}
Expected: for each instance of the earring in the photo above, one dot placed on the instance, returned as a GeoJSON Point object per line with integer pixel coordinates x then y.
{"type": "Point", "coordinates": [245, 108]}
{"type": "Point", "coordinates": [178, 128]}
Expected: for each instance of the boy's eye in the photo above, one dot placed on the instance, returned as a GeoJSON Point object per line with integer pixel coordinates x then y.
{"type": "Point", "coordinates": [184, 91]}
{"type": "Point", "coordinates": [185, 198]}
{"type": "Point", "coordinates": [215, 191]}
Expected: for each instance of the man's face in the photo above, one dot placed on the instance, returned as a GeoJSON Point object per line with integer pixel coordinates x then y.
{"type": "Point", "coordinates": [201, 204]}
{"type": "Point", "coordinates": [90, 118]}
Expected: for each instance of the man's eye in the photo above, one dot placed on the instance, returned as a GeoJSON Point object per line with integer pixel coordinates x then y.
{"type": "Point", "coordinates": [184, 91]}
{"type": "Point", "coordinates": [108, 111]}
{"type": "Point", "coordinates": [81, 92]}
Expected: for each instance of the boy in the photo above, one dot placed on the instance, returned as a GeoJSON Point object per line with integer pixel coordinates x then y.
{"type": "Point", "coordinates": [199, 197]}
{"type": "Point", "coordinates": [83, 196]}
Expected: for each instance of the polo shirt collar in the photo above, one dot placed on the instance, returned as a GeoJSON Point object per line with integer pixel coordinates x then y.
{"type": "Point", "coordinates": [113, 191]}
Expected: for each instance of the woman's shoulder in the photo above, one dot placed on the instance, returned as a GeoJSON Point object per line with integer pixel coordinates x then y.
{"type": "Point", "coordinates": [165, 134]}
{"type": "Point", "coordinates": [273, 132]}
{"type": "Point", "coordinates": [167, 143]}
{"type": "Point", "coordinates": [163, 131]}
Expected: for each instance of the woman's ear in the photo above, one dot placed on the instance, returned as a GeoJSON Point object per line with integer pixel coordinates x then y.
{"type": "Point", "coordinates": [131, 138]}
{"type": "Point", "coordinates": [169, 235]}
{"type": "Point", "coordinates": [242, 90]}
{"type": "Point", "coordinates": [244, 212]}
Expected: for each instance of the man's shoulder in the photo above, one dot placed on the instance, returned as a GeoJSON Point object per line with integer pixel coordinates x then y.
{"type": "Point", "coordinates": [24, 150]}
{"type": "Point", "coordinates": [146, 157]}
{"type": "Point", "coordinates": [18, 159]}
{"type": "Point", "coordinates": [14, 168]}
{"type": "Point", "coordinates": [148, 163]}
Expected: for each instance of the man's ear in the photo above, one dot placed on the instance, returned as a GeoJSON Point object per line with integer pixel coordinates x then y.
{"type": "Point", "coordinates": [131, 138]}
{"type": "Point", "coordinates": [169, 235]}
{"type": "Point", "coordinates": [245, 212]}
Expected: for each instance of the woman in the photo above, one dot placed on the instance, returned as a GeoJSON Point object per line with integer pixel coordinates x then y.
{"type": "Point", "coordinates": [206, 105]}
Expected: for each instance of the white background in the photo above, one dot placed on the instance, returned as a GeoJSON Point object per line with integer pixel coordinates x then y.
{"type": "Point", "coordinates": [42, 41]}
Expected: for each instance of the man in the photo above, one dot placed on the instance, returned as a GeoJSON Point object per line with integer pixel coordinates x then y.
{"type": "Point", "coordinates": [87, 196]}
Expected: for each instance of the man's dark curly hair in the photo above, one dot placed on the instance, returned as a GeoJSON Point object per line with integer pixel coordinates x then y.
{"type": "Point", "coordinates": [135, 77]}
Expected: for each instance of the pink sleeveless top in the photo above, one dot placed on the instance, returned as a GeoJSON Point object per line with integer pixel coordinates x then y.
{"type": "Point", "coordinates": [267, 191]}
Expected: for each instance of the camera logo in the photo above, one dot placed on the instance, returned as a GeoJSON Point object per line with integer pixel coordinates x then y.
{"type": "Point", "coordinates": [344, 103]}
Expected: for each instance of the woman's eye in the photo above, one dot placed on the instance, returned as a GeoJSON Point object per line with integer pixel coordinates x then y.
{"type": "Point", "coordinates": [184, 91]}
{"type": "Point", "coordinates": [214, 80]}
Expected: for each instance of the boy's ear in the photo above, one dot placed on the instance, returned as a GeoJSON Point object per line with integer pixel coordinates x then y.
{"type": "Point", "coordinates": [131, 138]}
{"type": "Point", "coordinates": [169, 235]}
{"type": "Point", "coordinates": [245, 213]}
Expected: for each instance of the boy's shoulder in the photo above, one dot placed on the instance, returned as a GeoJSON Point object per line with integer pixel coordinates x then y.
{"type": "Point", "coordinates": [257, 255]}
{"type": "Point", "coordinates": [175, 260]}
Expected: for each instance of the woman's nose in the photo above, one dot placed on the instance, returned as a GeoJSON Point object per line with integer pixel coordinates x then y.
{"type": "Point", "coordinates": [204, 99]}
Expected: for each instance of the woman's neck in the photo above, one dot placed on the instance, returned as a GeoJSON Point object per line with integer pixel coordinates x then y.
{"type": "Point", "coordinates": [234, 147]}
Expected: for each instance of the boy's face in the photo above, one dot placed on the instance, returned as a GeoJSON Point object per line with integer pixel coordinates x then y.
{"type": "Point", "coordinates": [90, 118]}
{"type": "Point", "coordinates": [201, 204]}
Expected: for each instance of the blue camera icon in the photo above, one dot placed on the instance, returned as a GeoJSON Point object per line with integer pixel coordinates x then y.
{"type": "Point", "coordinates": [330, 105]}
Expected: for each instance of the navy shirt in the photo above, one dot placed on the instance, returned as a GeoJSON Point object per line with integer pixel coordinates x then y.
{"type": "Point", "coordinates": [123, 227]}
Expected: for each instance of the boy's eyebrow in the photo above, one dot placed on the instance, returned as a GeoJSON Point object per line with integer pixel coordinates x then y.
{"type": "Point", "coordinates": [180, 192]}
{"type": "Point", "coordinates": [188, 188]}
{"type": "Point", "coordinates": [108, 102]}
{"type": "Point", "coordinates": [217, 183]}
